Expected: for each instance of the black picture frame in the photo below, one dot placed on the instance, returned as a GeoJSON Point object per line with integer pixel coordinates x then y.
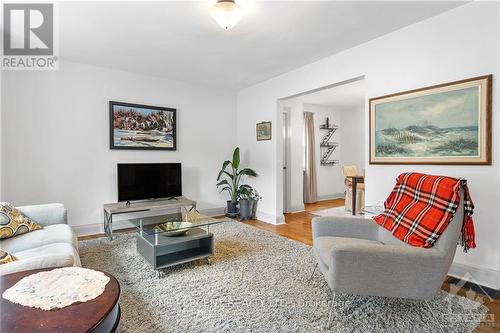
{"type": "Point", "coordinates": [135, 146]}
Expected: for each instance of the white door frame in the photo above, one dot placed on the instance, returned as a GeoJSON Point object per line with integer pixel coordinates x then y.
{"type": "Point", "coordinates": [281, 196]}
{"type": "Point", "coordinates": [286, 158]}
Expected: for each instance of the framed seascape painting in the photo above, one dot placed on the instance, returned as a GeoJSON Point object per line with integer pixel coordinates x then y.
{"type": "Point", "coordinates": [134, 126]}
{"type": "Point", "coordinates": [445, 124]}
{"type": "Point", "coordinates": [263, 131]}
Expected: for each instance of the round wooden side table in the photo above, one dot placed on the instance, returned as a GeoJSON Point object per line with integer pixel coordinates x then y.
{"type": "Point", "coordinates": [102, 314]}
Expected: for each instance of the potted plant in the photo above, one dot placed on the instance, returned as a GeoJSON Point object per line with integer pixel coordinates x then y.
{"type": "Point", "coordinates": [229, 179]}
{"type": "Point", "coordinates": [246, 202]}
{"type": "Point", "coordinates": [254, 197]}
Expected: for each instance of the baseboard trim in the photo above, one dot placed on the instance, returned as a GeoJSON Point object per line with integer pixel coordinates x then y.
{"type": "Point", "coordinates": [269, 218]}
{"type": "Point", "coordinates": [459, 283]}
{"type": "Point", "coordinates": [97, 228]}
{"type": "Point", "coordinates": [219, 211]}
{"type": "Point", "coordinates": [296, 209]}
{"type": "Point", "coordinates": [331, 196]}
{"type": "Point", "coordinates": [476, 275]}
{"type": "Point", "coordinates": [301, 208]}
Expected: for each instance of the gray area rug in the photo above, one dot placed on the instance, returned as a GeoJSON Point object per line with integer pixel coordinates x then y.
{"type": "Point", "coordinates": [258, 282]}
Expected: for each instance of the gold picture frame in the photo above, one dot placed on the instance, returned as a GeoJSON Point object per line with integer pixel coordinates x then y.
{"type": "Point", "coordinates": [263, 131]}
{"type": "Point", "coordinates": [443, 124]}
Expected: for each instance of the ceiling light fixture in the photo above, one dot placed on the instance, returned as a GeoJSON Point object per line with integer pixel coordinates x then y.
{"type": "Point", "coordinates": [226, 13]}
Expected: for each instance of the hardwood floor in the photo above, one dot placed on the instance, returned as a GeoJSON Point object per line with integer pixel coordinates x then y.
{"type": "Point", "coordinates": [298, 227]}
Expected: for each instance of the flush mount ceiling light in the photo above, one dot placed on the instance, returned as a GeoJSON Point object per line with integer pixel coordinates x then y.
{"type": "Point", "coordinates": [226, 13]}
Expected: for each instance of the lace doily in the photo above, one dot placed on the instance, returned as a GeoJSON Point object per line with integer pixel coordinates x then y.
{"type": "Point", "coordinates": [57, 288]}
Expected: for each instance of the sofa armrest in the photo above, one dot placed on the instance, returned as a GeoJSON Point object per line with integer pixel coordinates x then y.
{"type": "Point", "coordinates": [387, 253]}
{"type": "Point", "coordinates": [354, 227]}
{"type": "Point", "coordinates": [47, 214]}
{"type": "Point", "coordinates": [39, 262]}
{"type": "Point", "coordinates": [387, 270]}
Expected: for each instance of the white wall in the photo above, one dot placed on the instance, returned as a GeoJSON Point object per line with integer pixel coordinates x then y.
{"type": "Point", "coordinates": [457, 44]}
{"type": "Point", "coordinates": [55, 136]}
{"type": "Point", "coordinates": [330, 181]}
{"type": "Point", "coordinates": [353, 137]}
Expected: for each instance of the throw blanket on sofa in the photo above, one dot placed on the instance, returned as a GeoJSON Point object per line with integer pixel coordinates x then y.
{"type": "Point", "coordinates": [420, 207]}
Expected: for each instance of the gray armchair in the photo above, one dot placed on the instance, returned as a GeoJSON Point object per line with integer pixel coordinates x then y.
{"type": "Point", "coordinates": [359, 257]}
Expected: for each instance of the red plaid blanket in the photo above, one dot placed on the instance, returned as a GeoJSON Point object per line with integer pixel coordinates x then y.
{"type": "Point", "coordinates": [420, 207]}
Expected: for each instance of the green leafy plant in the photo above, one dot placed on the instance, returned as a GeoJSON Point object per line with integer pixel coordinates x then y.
{"type": "Point", "coordinates": [245, 192]}
{"type": "Point", "coordinates": [254, 195]}
{"type": "Point", "coordinates": [230, 177]}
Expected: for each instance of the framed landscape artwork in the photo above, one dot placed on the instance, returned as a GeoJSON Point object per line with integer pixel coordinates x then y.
{"type": "Point", "coordinates": [134, 126]}
{"type": "Point", "coordinates": [263, 131]}
{"type": "Point", "coordinates": [444, 124]}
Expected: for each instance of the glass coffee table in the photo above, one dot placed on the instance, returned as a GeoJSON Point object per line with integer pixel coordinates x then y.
{"type": "Point", "coordinates": [175, 239]}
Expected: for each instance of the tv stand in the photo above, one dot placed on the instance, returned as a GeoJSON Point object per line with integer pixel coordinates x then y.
{"type": "Point", "coordinates": [111, 209]}
{"type": "Point", "coordinates": [173, 198]}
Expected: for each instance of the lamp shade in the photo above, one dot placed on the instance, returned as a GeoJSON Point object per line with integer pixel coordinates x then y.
{"type": "Point", "coordinates": [226, 13]}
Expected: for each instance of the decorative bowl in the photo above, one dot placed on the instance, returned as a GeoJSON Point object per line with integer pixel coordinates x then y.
{"type": "Point", "coordinates": [173, 228]}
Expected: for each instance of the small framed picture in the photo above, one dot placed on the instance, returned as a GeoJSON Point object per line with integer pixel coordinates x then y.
{"type": "Point", "coordinates": [263, 131]}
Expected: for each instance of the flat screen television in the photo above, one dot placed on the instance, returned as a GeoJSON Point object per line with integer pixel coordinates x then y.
{"type": "Point", "coordinates": [144, 181]}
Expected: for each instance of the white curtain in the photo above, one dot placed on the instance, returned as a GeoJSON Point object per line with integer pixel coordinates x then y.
{"type": "Point", "coordinates": [310, 182]}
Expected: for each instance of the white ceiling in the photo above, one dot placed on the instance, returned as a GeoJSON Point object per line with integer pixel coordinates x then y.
{"type": "Point", "coordinates": [180, 41]}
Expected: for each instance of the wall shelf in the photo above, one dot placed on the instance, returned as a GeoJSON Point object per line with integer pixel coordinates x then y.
{"type": "Point", "coordinates": [326, 146]}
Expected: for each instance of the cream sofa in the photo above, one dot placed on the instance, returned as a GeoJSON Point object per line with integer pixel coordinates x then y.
{"type": "Point", "coordinates": [53, 246]}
